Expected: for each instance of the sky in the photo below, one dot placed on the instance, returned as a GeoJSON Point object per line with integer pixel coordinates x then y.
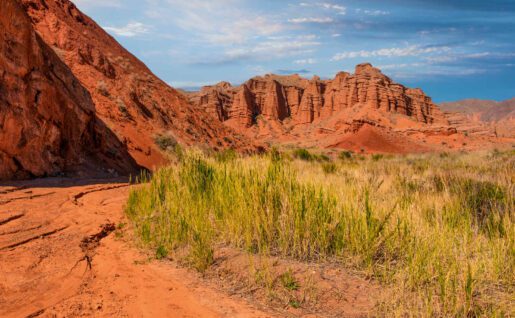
{"type": "Point", "coordinates": [452, 49]}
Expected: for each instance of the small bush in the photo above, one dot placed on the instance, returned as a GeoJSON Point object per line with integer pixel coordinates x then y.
{"type": "Point", "coordinates": [323, 157]}
{"type": "Point", "coordinates": [288, 281]}
{"type": "Point", "coordinates": [161, 252]}
{"type": "Point", "coordinates": [345, 155]}
{"type": "Point", "coordinates": [303, 154]}
{"type": "Point", "coordinates": [122, 108]}
{"type": "Point", "coordinates": [165, 142]}
{"type": "Point", "coordinates": [329, 168]}
{"type": "Point", "coordinates": [377, 157]}
{"type": "Point", "coordinates": [102, 89]}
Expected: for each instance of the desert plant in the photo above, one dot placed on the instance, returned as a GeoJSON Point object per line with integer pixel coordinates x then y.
{"type": "Point", "coordinates": [345, 155]}
{"type": "Point", "coordinates": [303, 154]}
{"type": "Point", "coordinates": [165, 142]}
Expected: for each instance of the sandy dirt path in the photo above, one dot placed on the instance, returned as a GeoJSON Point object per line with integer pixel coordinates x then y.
{"type": "Point", "coordinates": [59, 257]}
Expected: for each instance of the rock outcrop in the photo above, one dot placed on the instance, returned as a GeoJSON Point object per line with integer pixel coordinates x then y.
{"type": "Point", "coordinates": [364, 111]}
{"type": "Point", "coordinates": [135, 104]}
{"type": "Point", "coordinates": [48, 122]}
{"type": "Point", "coordinates": [276, 98]}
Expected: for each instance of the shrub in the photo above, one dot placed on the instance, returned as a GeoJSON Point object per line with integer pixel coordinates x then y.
{"type": "Point", "coordinates": [288, 281]}
{"type": "Point", "coordinates": [329, 168]}
{"type": "Point", "coordinates": [165, 142]}
{"type": "Point", "coordinates": [122, 108]}
{"type": "Point", "coordinates": [303, 154]}
{"type": "Point", "coordinates": [345, 155]}
{"type": "Point", "coordinates": [102, 89]}
{"type": "Point", "coordinates": [161, 252]}
{"type": "Point", "coordinates": [377, 157]}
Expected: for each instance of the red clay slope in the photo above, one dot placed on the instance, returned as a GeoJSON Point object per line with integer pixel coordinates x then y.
{"type": "Point", "coordinates": [135, 104]}
{"type": "Point", "coordinates": [47, 119]}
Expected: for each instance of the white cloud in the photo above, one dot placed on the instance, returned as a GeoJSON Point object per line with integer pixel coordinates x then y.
{"type": "Point", "coordinates": [305, 61]}
{"type": "Point", "coordinates": [326, 5]}
{"type": "Point", "coordinates": [311, 20]}
{"type": "Point", "coordinates": [221, 22]}
{"type": "Point", "coordinates": [271, 49]}
{"type": "Point", "coordinates": [97, 3]}
{"type": "Point", "coordinates": [397, 66]}
{"type": "Point", "coordinates": [376, 12]}
{"type": "Point", "coordinates": [336, 35]}
{"type": "Point", "coordinates": [130, 30]}
{"type": "Point", "coordinates": [413, 50]}
{"type": "Point", "coordinates": [190, 84]}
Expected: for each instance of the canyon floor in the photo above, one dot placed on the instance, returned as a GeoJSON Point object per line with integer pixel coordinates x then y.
{"type": "Point", "coordinates": [63, 254]}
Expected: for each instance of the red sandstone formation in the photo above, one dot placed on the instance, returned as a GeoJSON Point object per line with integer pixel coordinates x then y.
{"type": "Point", "coordinates": [135, 104]}
{"type": "Point", "coordinates": [48, 122]}
{"type": "Point", "coordinates": [329, 113]}
{"type": "Point", "coordinates": [304, 101]}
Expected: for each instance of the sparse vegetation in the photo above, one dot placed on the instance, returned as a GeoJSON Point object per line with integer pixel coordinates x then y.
{"type": "Point", "coordinates": [437, 231]}
{"type": "Point", "coordinates": [123, 109]}
{"type": "Point", "coordinates": [345, 155]}
{"type": "Point", "coordinates": [303, 154]}
{"type": "Point", "coordinates": [288, 280]}
{"type": "Point", "coordinates": [102, 89]}
{"type": "Point", "coordinates": [165, 142]}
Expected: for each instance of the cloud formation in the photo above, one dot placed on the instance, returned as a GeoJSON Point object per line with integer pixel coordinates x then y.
{"type": "Point", "coordinates": [132, 29]}
{"type": "Point", "coordinates": [413, 50]}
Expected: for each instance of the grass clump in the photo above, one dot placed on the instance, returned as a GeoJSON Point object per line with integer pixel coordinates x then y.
{"type": "Point", "coordinates": [437, 231]}
{"type": "Point", "coordinates": [345, 155]}
{"type": "Point", "coordinates": [329, 168]}
{"type": "Point", "coordinates": [303, 154]}
{"type": "Point", "coordinates": [288, 281]}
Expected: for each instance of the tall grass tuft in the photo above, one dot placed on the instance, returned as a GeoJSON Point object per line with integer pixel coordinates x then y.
{"type": "Point", "coordinates": [437, 231]}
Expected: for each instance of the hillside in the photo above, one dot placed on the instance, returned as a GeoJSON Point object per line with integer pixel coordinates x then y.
{"type": "Point", "coordinates": [135, 104]}
{"type": "Point", "coordinates": [48, 121]}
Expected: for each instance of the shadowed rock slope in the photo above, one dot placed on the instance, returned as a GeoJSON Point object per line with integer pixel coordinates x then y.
{"type": "Point", "coordinates": [48, 123]}
{"type": "Point", "coordinates": [135, 104]}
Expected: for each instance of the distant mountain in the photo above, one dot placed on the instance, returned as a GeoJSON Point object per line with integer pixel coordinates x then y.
{"type": "Point", "coordinates": [486, 110]}
{"type": "Point", "coordinates": [476, 114]}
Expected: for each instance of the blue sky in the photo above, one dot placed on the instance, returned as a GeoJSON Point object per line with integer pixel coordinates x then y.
{"type": "Point", "coordinates": [452, 49]}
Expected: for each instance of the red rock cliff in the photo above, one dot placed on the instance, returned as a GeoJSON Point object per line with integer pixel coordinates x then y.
{"type": "Point", "coordinates": [277, 98]}
{"type": "Point", "coordinates": [48, 123]}
{"type": "Point", "coordinates": [131, 100]}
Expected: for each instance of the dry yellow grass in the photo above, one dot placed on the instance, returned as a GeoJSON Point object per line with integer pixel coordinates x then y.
{"type": "Point", "coordinates": [436, 230]}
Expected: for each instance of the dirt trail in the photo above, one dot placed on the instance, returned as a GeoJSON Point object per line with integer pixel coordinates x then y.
{"type": "Point", "coordinates": [59, 257]}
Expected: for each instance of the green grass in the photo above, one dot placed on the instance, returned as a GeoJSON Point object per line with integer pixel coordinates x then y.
{"type": "Point", "coordinates": [437, 231]}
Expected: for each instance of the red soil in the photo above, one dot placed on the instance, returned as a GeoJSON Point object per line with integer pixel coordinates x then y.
{"type": "Point", "coordinates": [62, 255]}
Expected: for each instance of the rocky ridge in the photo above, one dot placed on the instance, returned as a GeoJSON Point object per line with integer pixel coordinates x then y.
{"type": "Point", "coordinates": [135, 104]}
{"type": "Point", "coordinates": [318, 112]}
{"type": "Point", "coordinates": [276, 98]}
{"type": "Point", "coordinates": [48, 121]}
